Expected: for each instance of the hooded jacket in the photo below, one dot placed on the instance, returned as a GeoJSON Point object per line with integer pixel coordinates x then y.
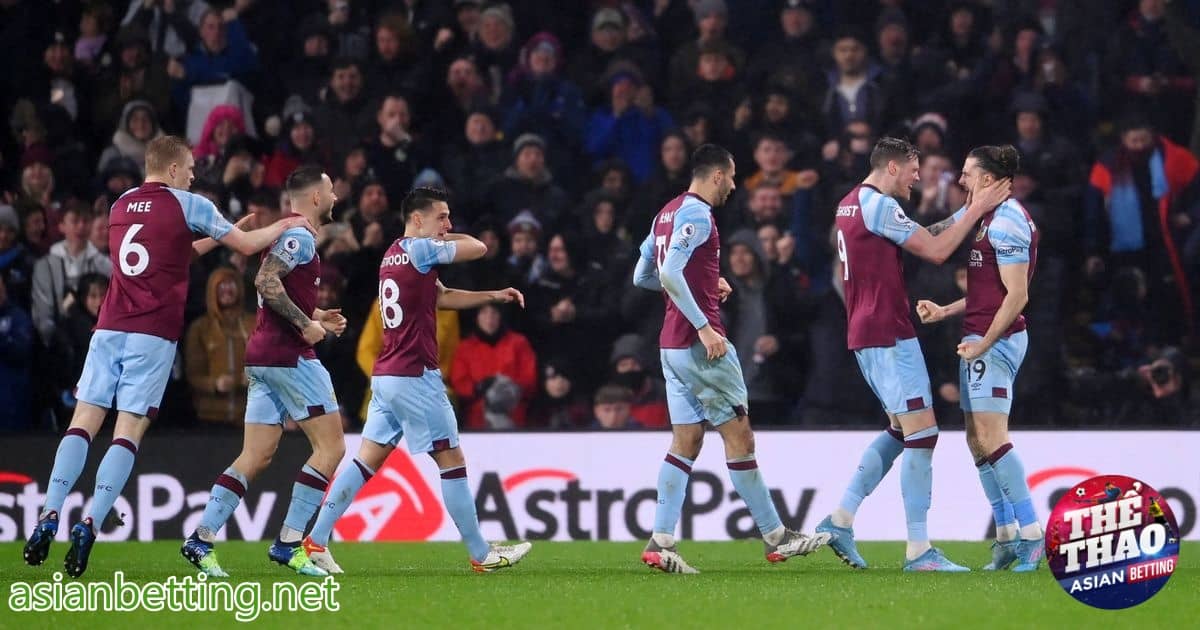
{"type": "Point", "coordinates": [123, 142]}
{"type": "Point", "coordinates": [215, 346]}
{"type": "Point", "coordinates": [769, 377]}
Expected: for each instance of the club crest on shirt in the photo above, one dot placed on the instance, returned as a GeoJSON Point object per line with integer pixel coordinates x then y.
{"type": "Point", "coordinates": [982, 233]}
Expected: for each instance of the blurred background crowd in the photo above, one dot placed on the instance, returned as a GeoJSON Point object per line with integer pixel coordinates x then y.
{"type": "Point", "coordinates": [560, 129]}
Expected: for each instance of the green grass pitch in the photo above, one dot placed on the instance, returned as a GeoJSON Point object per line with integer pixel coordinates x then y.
{"type": "Point", "coordinates": [602, 585]}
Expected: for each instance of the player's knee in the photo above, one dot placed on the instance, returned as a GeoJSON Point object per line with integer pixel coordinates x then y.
{"type": "Point", "coordinates": [255, 460]}
{"type": "Point", "coordinates": [687, 443]}
{"type": "Point", "coordinates": [739, 438]}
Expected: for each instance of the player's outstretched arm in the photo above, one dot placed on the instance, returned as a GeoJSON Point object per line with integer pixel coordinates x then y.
{"type": "Point", "coordinates": [208, 243]}
{"type": "Point", "coordinates": [254, 241]}
{"type": "Point", "coordinates": [269, 283]}
{"type": "Point", "coordinates": [938, 243]}
{"type": "Point", "coordinates": [460, 300]}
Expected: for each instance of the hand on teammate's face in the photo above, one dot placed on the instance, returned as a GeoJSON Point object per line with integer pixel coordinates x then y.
{"type": "Point", "coordinates": [991, 196]}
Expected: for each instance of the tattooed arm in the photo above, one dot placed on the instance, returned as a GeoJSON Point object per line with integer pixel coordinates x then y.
{"type": "Point", "coordinates": [941, 226]}
{"type": "Point", "coordinates": [270, 286]}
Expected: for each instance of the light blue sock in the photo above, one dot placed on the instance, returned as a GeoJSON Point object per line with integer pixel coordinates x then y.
{"type": "Point", "coordinates": [111, 477]}
{"type": "Point", "coordinates": [307, 492]}
{"type": "Point", "coordinates": [748, 482]}
{"type": "Point", "coordinates": [916, 481]}
{"type": "Point", "coordinates": [673, 478]}
{"type": "Point", "coordinates": [345, 487]}
{"type": "Point", "coordinates": [68, 463]}
{"type": "Point", "coordinates": [872, 468]}
{"type": "Point", "coordinates": [1002, 510]}
{"type": "Point", "coordinates": [1010, 474]}
{"type": "Point", "coordinates": [456, 494]}
{"type": "Point", "coordinates": [223, 499]}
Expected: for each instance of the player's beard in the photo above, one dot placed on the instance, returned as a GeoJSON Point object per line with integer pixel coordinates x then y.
{"type": "Point", "coordinates": [326, 215]}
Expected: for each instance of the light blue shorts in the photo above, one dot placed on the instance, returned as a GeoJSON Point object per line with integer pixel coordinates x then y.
{"type": "Point", "coordinates": [299, 393]}
{"type": "Point", "coordinates": [898, 376]}
{"type": "Point", "coordinates": [131, 367]}
{"type": "Point", "coordinates": [986, 384]}
{"type": "Point", "coordinates": [413, 407]}
{"type": "Point", "coordinates": [699, 389]}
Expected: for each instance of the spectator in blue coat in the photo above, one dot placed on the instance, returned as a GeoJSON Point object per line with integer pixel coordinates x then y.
{"type": "Point", "coordinates": [16, 342]}
{"type": "Point", "coordinates": [630, 127]}
{"type": "Point", "coordinates": [224, 53]}
{"type": "Point", "coordinates": [537, 100]}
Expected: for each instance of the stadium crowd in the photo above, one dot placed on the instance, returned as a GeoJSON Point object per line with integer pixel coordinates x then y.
{"type": "Point", "coordinates": [560, 129]}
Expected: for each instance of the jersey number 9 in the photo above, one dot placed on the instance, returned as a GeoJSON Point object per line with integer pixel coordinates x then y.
{"type": "Point", "coordinates": [841, 245]}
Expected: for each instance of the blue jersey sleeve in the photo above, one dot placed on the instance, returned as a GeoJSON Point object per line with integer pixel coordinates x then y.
{"type": "Point", "coordinates": [1011, 235]}
{"type": "Point", "coordinates": [295, 247]}
{"type": "Point", "coordinates": [645, 272]}
{"type": "Point", "coordinates": [693, 225]}
{"type": "Point", "coordinates": [201, 215]}
{"type": "Point", "coordinates": [646, 249]}
{"type": "Point", "coordinates": [884, 217]}
{"type": "Point", "coordinates": [425, 253]}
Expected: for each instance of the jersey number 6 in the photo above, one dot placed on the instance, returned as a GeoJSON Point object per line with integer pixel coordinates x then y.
{"type": "Point", "coordinates": [136, 251]}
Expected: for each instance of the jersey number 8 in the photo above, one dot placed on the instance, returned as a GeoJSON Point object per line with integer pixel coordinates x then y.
{"type": "Point", "coordinates": [389, 304]}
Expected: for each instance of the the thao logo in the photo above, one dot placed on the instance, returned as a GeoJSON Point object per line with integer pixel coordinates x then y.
{"type": "Point", "coordinates": [1112, 541]}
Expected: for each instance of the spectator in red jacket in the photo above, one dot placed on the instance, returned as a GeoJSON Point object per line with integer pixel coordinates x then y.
{"type": "Point", "coordinates": [493, 350]}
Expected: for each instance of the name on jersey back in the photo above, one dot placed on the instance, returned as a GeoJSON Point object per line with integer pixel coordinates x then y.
{"type": "Point", "coordinates": [394, 260]}
{"type": "Point", "coordinates": [846, 211]}
{"type": "Point", "coordinates": [138, 206]}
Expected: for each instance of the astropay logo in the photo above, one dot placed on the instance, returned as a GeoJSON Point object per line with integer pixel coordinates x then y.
{"type": "Point", "coordinates": [395, 504]}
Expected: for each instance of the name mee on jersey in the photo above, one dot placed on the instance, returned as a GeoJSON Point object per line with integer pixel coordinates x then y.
{"type": "Point", "coordinates": [1108, 533]}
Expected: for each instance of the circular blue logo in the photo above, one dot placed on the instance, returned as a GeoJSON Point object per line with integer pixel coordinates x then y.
{"type": "Point", "coordinates": [1112, 542]}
